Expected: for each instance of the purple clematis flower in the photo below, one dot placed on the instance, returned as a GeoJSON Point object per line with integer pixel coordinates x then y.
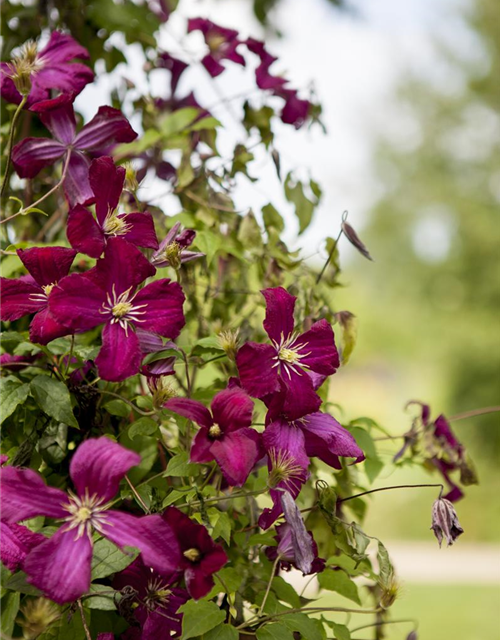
{"type": "Point", "coordinates": [222, 43]}
{"type": "Point", "coordinates": [52, 69]}
{"type": "Point", "coordinates": [264, 368]}
{"type": "Point", "coordinates": [98, 137]}
{"type": "Point", "coordinates": [107, 294]}
{"type": "Point", "coordinates": [29, 294]}
{"type": "Point", "coordinates": [201, 557]}
{"type": "Point", "coordinates": [89, 235]}
{"type": "Point", "coordinates": [60, 566]}
{"type": "Point", "coordinates": [16, 541]}
{"type": "Point", "coordinates": [225, 435]}
{"type": "Point", "coordinates": [156, 600]}
{"type": "Point", "coordinates": [286, 551]}
{"type": "Point", "coordinates": [173, 250]}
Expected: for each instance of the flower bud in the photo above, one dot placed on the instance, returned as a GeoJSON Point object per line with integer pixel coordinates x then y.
{"type": "Point", "coordinates": [228, 341]}
{"type": "Point", "coordinates": [21, 76]}
{"type": "Point", "coordinates": [355, 240]}
{"type": "Point", "coordinates": [445, 521]}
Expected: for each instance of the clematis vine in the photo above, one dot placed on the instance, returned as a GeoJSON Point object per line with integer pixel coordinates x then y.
{"type": "Point", "coordinates": [48, 69]}
{"type": "Point", "coordinates": [155, 602]}
{"type": "Point", "coordinates": [290, 360]}
{"type": "Point", "coordinates": [98, 137]}
{"type": "Point", "coordinates": [60, 566]}
{"type": "Point", "coordinates": [225, 434]}
{"type": "Point", "coordinates": [30, 294]}
{"type": "Point", "coordinates": [201, 557]}
{"type": "Point", "coordinates": [108, 295]}
{"type": "Point", "coordinates": [89, 235]}
{"type": "Point", "coordinates": [173, 250]}
{"type": "Point", "coordinates": [222, 43]}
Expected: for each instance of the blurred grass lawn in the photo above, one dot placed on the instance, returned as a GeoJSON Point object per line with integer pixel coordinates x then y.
{"type": "Point", "coordinates": [444, 612]}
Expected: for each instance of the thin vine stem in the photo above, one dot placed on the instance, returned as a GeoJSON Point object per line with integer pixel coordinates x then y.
{"type": "Point", "coordinates": [396, 486]}
{"type": "Point", "coordinates": [84, 622]}
{"type": "Point", "coordinates": [10, 143]}
{"type": "Point", "coordinates": [268, 588]}
{"type": "Point", "coordinates": [474, 412]}
{"type": "Point", "coordinates": [330, 256]}
{"type": "Point", "coordinates": [137, 496]}
{"type": "Point", "coordinates": [256, 619]}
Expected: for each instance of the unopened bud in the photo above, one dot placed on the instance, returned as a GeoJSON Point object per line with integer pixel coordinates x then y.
{"type": "Point", "coordinates": [173, 255]}
{"type": "Point", "coordinates": [445, 522]}
{"type": "Point", "coordinates": [38, 615]}
{"type": "Point", "coordinates": [390, 591]}
{"type": "Point", "coordinates": [228, 341]}
{"type": "Point", "coordinates": [21, 76]}
{"type": "Point", "coordinates": [355, 240]}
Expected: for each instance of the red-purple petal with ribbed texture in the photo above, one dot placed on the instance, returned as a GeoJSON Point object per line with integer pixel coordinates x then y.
{"type": "Point", "coordinates": [258, 375]}
{"type": "Point", "coordinates": [47, 265]}
{"type": "Point", "coordinates": [142, 229]}
{"type": "Point", "coordinates": [279, 320]}
{"type": "Point", "coordinates": [76, 302]}
{"type": "Point", "coordinates": [190, 409]}
{"type": "Point", "coordinates": [58, 115]}
{"type": "Point", "coordinates": [31, 155]}
{"type": "Point", "coordinates": [236, 454]}
{"type": "Point", "coordinates": [84, 234]}
{"type": "Point", "coordinates": [201, 447]}
{"type": "Point", "coordinates": [44, 328]}
{"type": "Point", "coordinates": [319, 345]}
{"type": "Point", "coordinates": [106, 181]}
{"type": "Point", "coordinates": [73, 77]}
{"type": "Point", "coordinates": [150, 534]}
{"type": "Point", "coordinates": [109, 126]}
{"type": "Point", "coordinates": [61, 47]}
{"type": "Point", "coordinates": [25, 495]}
{"type": "Point", "coordinates": [76, 184]}
{"type": "Point", "coordinates": [20, 298]}
{"type": "Point", "coordinates": [300, 397]}
{"type": "Point", "coordinates": [99, 465]}
{"type": "Point", "coordinates": [60, 566]}
{"type": "Point", "coordinates": [163, 310]}
{"type": "Point", "coordinates": [16, 541]}
{"type": "Point", "coordinates": [120, 355]}
{"type": "Point", "coordinates": [232, 409]}
{"type": "Point", "coordinates": [11, 94]}
{"type": "Point", "coordinates": [326, 439]}
{"type": "Point", "coordinates": [122, 267]}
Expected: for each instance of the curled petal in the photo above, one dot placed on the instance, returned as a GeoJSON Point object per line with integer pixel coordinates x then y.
{"type": "Point", "coordinates": [16, 542]}
{"type": "Point", "coordinates": [164, 315]}
{"type": "Point", "coordinates": [190, 409]}
{"type": "Point", "coordinates": [258, 375]}
{"type": "Point", "coordinates": [58, 116]}
{"type": "Point", "coordinates": [232, 409]}
{"type": "Point", "coordinates": [200, 447]}
{"type": "Point", "coordinates": [47, 265]}
{"type": "Point", "coordinates": [301, 540]}
{"type": "Point", "coordinates": [60, 566]}
{"type": "Point", "coordinates": [44, 328]}
{"type": "Point", "coordinates": [300, 397]}
{"type": "Point", "coordinates": [84, 234]}
{"type": "Point", "coordinates": [25, 495]}
{"type": "Point", "coordinates": [106, 128]}
{"type": "Point", "coordinates": [99, 465]}
{"type": "Point", "coordinates": [325, 437]}
{"type": "Point", "coordinates": [236, 454]}
{"type": "Point", "coordinates": [61, 47]}
{"type": "Point", "coordinates": [20, 298]}
{"type": "Point", "coordinates": [120, 355]}
{"type": "Point", "coordinates": [279, 321]}
{"type": "Point", "coordinates": [122, 267]}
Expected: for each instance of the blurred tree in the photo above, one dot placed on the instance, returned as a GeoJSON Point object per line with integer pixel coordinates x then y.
{"type": "Point", "coordinates": [436, 228]}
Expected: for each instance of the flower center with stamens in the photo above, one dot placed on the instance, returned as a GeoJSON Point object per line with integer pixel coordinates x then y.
{"type": "Point", "coordinates": [157, 593]}
{"type": "Point", "coordinates": [193, 555]}
{"type": "Point", "coordinates": [121, 309]}
{"type": "Point", "coordinates": [115, 225]}
{"type": "Point", "coordinates": [85, 513]}
{"type": "Point", "coordinates": [48, 288]}
{"type": "Point", "coordinates": [283, 468]}
{"type": "Point", "coordinates": [215, 431]}
{"type": "Point", "coordinates": [173, 254]}
{"type": "Point", "coordinates": [288, 355]}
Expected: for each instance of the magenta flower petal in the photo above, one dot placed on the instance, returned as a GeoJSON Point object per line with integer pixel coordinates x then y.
{"type": "Point", "coordinates": [67, 78]}
{"type": "Point", "coordinates": [31, 155]}
{"type": "Point", "coordinates": [327, 439]}
{"type": "Point", "coordinates": [76, 184]}
{"type": "Point", "coordinates": [236, 455]}
{"type": "Point", "coordinates": [58, 116]}
{"type": "Point", "coordinates": [164, 315]}
{"type": "Point", "coordinates": [300, 398]}
{"type": "Point", "coordinates": [120, 355]}
{"type": "Point", "coordinates": [109, 126]}
{"type": "Point", "coordinates": [84, 234]}
{"type": "Point", "coordinates": [142, 232]}
{"type": "Point", "coordinates": [25, 495]}
{"type": "Point", "coordinates": [106, 181]}
{"type": "Point", "coordinates": [319, 348]}
{"type": "Point", "coordinates": [151, 534]}
{"type": "Point", "coordinates": [289, 438]}
{"type": "Point", "coordinates": [232, 409]}
{"type": "Point", "coordinates": [61, 47]}
{"type": "Point", "coordinates": [123, 267]}
{"type": "Point", "coordinates": [258, 375]}
{"type": "Point", "coordinates": [20, 298]}
{"type": "Point", "coordinates": [47, 265]}
{"type": "Point", "coordinates": [11, 94]}
{"type": "Point", "coordinates": [44, 328]}
{"type": "Point", "coordinates": [201, 447]}
{"type": "Point", "coordinates": [99, 465]}
{"type": "Point", "coordinates": [16, 541]}
{"type": "Point", "coordinates": [190, 409]}
{"type": "Point", "coordinates": [76, 302]}
{"type": "Point", "coordinates": [60, 566]}
{"type": "Point", "coordinates": [279, 320]}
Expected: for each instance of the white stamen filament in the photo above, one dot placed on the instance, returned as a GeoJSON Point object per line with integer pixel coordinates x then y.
{"type": "Point", "coordinates": [288, 355]}
{"type": "Point", "coordinates": [122, 309]}
{"type": "Point", "coordinates": [86, 513]}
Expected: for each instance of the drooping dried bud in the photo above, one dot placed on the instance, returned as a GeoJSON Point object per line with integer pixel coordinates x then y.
{"type": "Point", "coordinates": [161, 391]}
{"type": "Point", "coordinates": [130, 177]}
{"type": "Point", "coordinates": [301, 540]}
{"type": "Point", "coordinates": [412, 635]}
{"type": "Point", "coordinates": [38, 615]}
{"type": "Point", "coordinates": [390, 590]}
{"type": "Point", "coordinates": [23, 65]}
{"type": "Point", "coordinates": [228, 341]}
{"type": "Point", "coordinates": [445, 522]}
{"type": "Point", "coordinates": [355, 240]}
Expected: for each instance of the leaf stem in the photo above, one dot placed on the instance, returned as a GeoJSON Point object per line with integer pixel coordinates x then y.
{"type": "Point", "coordinates": [10, 143]}
{"type": "Point", "coordinates": [84, 622]}
{"type": "Point", "coordinates": [137, 496]}
{"type": "Point", "coordinates": [396, 486]}
{"type": "Point", "coordinates": [301, 610]}
{"type": "Point", "coordinates": [474, 412]}
{"type": "Point", "coordinates": [330, 256]}
{"type": "Point", "coordinates": [268, 589]}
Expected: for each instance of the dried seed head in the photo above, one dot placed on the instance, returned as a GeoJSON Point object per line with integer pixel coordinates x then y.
{"type": "Point", "coordinates": [130, 177]}
{"type": "Point", "coordinates": [38, 615]}
{"type": "Point", "coordinates": [355, 240]}
{"type": "Point", "coordinates": [228, 341]}
{"type": "Point", "coordinates": [161, 390]}
{"type": "Point", "coordinates": [445, 522]}
{"type": "Point", "coordinates": [23, 66]}
{"type": "Point", "coordinates": [390, 591]}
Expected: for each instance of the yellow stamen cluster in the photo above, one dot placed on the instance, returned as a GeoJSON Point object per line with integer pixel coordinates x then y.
{"type": "Point", "coordinates": [121, 309]}
{"type": "Point", "coordinates": [161, 390]}
{"type": "Point", "coordinates": [228, 341]}
{"type": "Point", "coordinates": [48, 288]}
{"type": "Point", "coordinates": [283, 468]}
{"type": "Point", "coordinates": [173, 255]}
{"type": "Point", "coordinates": [215, 431]}
{"type": "Point", "coordinates": [288, 355]}
{"type": "Point", "coordinates": [115, 226]}
{"type": "Point", "coordinates": [193, 555]}
{"type": "Point", "coordinates": [23, 66]}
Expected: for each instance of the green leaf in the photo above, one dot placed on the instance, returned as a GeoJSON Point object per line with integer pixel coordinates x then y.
{"type": "Point", "coordinates": [386, 570]}
{"type": "Point", "coordinates": [108, 558]}
{"type": "Point", "coordinates": [179, 466]}
{"type": "Point", "coordinates": [104, 602]}
{"type": "Point", "coordinates": [222, 527]}
{"type": "Point", "coordinates": [372, 465]}
{"type": "Point", "coordinates": [222, 632]}
{"type": "Point", "coordinates": [340, 631]}
{"type": "Point", "coordinates": [274, 631]}
{"type": "Point", "coordinates": [178, 121]}
{"type": "Point", "coordinates": [52, 396]}
{"type": "Point", "coordinates": [67, 628]}
{"type": "Point", "coordinates": [12, 394]}
{"type": "Point", "coordinates": [142, 427]}
{"type": "Point", "coordinates": [205, 123]}
{"type": "Point", "coordinates": [249, 233]}
{"type": "Point", "coordinates": [208, 243]}
{"type": "Point", "coordinates": [339, 582]}
{"type": "Point", "coordinates": [285, 592]}
{"type": "Point", "coordinates": [272, 218]}
{"type": "Point", "coordinates": [231, 578]}
{"type": "Point", "coordinates": [10, 606]}
{"type": "Point", "coordinates": [118, 408]}
{"type": "Point", "coordinates": [200, 617]}
{"type": "Point", "coordinates": [306, 626]}
{"type": "Point", "coordinates": [304, 207]}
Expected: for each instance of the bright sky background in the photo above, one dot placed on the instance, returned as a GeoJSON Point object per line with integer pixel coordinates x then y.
{"type": "Point", "coordinates": [354, 63]}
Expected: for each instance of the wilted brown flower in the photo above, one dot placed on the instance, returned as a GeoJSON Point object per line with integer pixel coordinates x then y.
{"type": "Point", "coordinates": [445, 521]}
{"type": "Point", "coordinates": [355, 240]}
